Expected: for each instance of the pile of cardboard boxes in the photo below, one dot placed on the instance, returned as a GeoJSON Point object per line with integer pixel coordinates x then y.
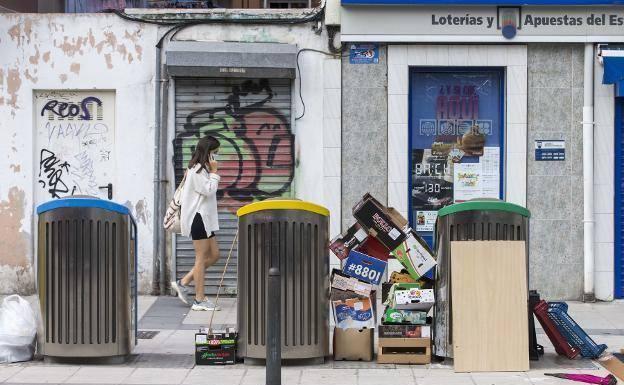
{"type": "Point", "coordinates": [380, 235]}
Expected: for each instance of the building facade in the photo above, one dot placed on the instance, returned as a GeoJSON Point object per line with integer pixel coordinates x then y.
{"type": "Point", "coordinates": [471, 100]}
{"type": "Point", "coordinates": [426, 105]}
{"type": "Point", "coordinates": [88, 101]}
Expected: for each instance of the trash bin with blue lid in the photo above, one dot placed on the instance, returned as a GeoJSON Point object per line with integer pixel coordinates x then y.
{"type": "Point", "coordinates": [473, 220]}
{"type": "Point", "coordinates": [87, 278]}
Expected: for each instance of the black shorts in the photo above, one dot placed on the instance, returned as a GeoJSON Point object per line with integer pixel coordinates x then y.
{"type": "Point", "coordinates": [198, 231]}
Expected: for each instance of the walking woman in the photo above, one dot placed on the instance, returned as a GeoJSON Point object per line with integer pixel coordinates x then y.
{"type": "Point", "coordinates": [199, 219]}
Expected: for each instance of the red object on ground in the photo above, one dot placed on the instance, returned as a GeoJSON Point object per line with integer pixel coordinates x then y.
{"type": "Point", "coordinates": [587, 378]}
{"type": "Point", "coordinates": [374, 248]}
{"type": "Point", "coordinates": [562, 347]}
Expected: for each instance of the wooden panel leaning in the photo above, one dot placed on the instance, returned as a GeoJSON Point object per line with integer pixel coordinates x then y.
{"type": "Point", "coordinates": [489, 306]}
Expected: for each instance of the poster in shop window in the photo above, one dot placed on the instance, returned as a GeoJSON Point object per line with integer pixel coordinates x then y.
{"type": "Point", "coordinates": [455, 141]}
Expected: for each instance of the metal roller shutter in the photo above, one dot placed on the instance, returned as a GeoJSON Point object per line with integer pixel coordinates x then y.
{"type": "Point", "coordinates": [252, 120]}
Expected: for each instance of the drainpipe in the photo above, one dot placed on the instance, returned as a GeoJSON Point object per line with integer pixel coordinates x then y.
{"type": "Point", "coordinates": [588, 174]}
{"type": "Point", "coordinates": [157, 261]}
{"type": "Point", "coordinates": [164, 282]}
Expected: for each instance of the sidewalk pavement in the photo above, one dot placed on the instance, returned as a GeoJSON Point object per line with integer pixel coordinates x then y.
{"type": "Point", "coordinates": [168, 357]}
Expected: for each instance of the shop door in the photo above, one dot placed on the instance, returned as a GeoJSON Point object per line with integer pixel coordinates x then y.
{"type": "Point", "coordinates": [619, 199]}
{"type": "Point", "coordinates": [456, 140]}
{"type": "Point", "coordinates": [252, 120]}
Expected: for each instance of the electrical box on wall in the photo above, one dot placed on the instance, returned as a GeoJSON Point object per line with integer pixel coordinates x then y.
{"type": "Point", "coordinates": [332, 12]}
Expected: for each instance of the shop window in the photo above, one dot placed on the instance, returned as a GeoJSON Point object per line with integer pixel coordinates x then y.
{"type": "Point", "coordinates": [456, 140]}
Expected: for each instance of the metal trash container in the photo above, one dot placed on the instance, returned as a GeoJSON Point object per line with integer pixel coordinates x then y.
{"type": "Point", "coordinates": [87, 278]}
{"type": "Point", "coordinates": [293, 236]}
{"type": "Point", "coordinates": [474, 220]}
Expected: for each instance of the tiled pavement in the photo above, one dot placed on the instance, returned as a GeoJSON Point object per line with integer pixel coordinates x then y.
{"type": "Point", "coordinates": [168, 357]}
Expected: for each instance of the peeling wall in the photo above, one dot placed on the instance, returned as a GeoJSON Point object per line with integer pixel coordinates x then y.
{"type": "Point", "coordinates": [71, 52]}
{"type": "Point", "coordinates": [104, 52]}
{"type": "Point", "coordinates": [16, 269]}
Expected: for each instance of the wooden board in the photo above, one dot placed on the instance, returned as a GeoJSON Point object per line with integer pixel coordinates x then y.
{"type": "Point", "coordinates": [613, 365]}
{"type": "Point", "coordinates": [489, 306]}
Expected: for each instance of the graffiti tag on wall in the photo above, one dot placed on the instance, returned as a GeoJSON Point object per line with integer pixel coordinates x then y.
{"type": "Point", "coordinates": [256, 158]}
{"type": "Point", "coordinates": [75, 142]}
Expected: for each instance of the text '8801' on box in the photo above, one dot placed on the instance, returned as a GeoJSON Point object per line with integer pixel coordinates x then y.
{"type": "Point", "coordinates": [364, 267]}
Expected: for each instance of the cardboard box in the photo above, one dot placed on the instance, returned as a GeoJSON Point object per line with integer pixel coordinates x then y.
{"type": "Point", "coordinates": [394, 265]}
{"type": "Point", "coordinates": [341, 281]}
{"type": "Point", "coordinates": [399, 277]}
{"type": "Point", "coordinates": [400, 317]}
{"type": "Point", "coordinates": [390, 298]}
{"type": "Point", "coordinates": [364, 267]}
{"type": "Point", "coordinates": [382, 223]}
{"type": "Point", "coordinates": [413, 299]}
{"type": "Point", "coordinates": [415, 255]}
{"type": "Point", "coordinates": [215, 348]}
{"type": "Point", "coordinates": [371, 246]}
{"type": "Point", "coordinates": [404, 331]}
{"type": "Point", "coordinates": [385, 290]}
{"type": "Point", "coordinates": [341, 295]}
{"type": "Point", "coordinates": [347, 241]}
{"type": "Point", "coordinates": [354, 344]}
{"type": "Point", "coordinates": [613, 365]}
{"type": "Point", "coordinates": [354, 313]}
{"type": "Point", "coordinates": [404, 351]}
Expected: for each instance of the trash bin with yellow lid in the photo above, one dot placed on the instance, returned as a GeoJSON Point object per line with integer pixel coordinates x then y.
{"type": "Point", "coordinates": [293, 236]}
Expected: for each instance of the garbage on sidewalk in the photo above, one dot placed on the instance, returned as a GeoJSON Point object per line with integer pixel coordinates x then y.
{"type": "Point", "coordinates": [215, 347]}
{"type": "Point", "coordinates": [354, 344]}
{"type": "Point", "coordinates": [353, 304]}
{"type": "Point", "coordinates": [379, 234]}
{"type": "Point", "coordinates": [568, 338]}
{"type": "Point", "coordinates": [613, 364]}
{"type": "Point", "coordinates": [18, 330]}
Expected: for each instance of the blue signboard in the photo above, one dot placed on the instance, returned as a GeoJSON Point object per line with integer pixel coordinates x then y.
{"type": "Point", "coordinates": [455, 140]}
{"type": "Point", "coordinates": [364, 54]}
{"type": "Point", "coordinates": [550, 150]}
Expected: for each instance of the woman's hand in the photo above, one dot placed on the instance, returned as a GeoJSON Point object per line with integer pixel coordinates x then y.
{"type": "Point", "coordinates": [213, 165]}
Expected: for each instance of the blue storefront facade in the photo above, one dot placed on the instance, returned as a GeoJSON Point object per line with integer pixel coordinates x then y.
{"type": "Point", "coordinates": [520, 102]}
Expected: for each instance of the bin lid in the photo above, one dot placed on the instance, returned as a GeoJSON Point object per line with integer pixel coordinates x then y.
{"type": "Point", "coordinates": [87, 202]}
{"type": "Point", "coordinates": [484, 205]}
{"type": "Point", "coordinates": [282, 204]}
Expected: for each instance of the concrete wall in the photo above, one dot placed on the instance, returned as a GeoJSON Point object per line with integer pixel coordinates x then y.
{"type": "Point", "coordinates": [104, 52]}
{"type": "Point", "coordinates": [364, 133]}
{"type": "Point", "coordinates": [71, 52]}
{"type": "Point", "coordinates": [604, 150]}
{"type": "Point", "coordinates": [555, 189]}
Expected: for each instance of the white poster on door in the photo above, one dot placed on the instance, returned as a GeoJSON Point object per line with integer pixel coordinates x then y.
{"type": "Point", "coordinates": [75, 141]}
{"type": "Point", "coordinates": [478, 180]}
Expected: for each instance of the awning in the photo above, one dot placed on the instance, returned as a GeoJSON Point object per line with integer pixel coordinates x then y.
{"type": "Point", "coordinates": [614, 73]}
{"type": "Point", "coordinates": [219, 59]}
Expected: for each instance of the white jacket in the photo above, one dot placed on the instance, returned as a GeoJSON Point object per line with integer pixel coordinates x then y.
{"type": "Point", "coordinates": [199, 195]}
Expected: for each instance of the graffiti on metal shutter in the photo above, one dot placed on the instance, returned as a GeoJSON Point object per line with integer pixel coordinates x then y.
{"type": "Point", "coordinates": [257, 146]}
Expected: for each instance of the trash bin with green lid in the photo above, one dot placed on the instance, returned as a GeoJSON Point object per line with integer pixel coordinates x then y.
{"type": "Point", "coordinates": [474, 220]}
{"type": "Point", "coordinates": [87, 279]}
{"type": "Point", "coordinates": [293, 236]}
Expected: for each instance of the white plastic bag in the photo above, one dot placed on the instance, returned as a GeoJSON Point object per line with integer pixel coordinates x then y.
{"type": "Point", "coordinates": [18, 330]}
